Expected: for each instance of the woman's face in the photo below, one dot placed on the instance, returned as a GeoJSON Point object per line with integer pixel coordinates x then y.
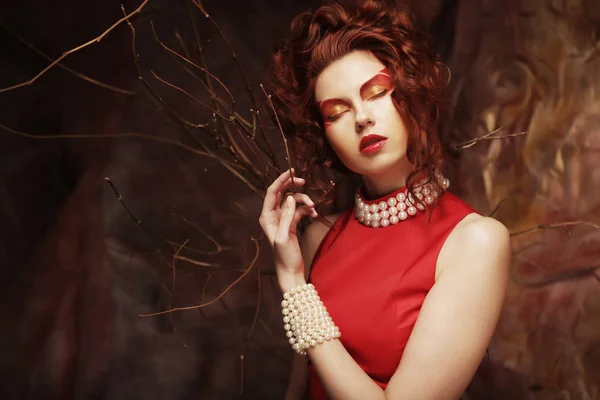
{"type": "Point", "coordinates": [361, 122]}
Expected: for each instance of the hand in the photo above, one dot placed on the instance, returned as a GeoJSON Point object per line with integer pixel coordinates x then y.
{"type": "Point", "coordinates": [279, 222]}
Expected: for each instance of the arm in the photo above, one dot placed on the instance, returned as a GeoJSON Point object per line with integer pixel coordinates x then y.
{"type": "Point", "coordinates": [309, 243]}
{"type": "Point", "coordinates": [456, 321]}
{"type": "Point", "coordinates": [454, 326]}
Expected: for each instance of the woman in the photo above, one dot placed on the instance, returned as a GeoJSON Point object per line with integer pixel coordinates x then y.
{"type": "Point", "coordinates": [410, 280]}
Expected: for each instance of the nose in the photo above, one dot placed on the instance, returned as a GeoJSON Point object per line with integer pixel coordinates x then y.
{"type": "Point", "coordinates": [364, 118]}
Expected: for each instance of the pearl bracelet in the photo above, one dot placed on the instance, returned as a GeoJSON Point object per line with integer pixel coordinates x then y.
{"type": "Point", "coordinates": [306, 320]}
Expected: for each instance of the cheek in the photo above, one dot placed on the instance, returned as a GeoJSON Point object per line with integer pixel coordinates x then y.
{"type": "Point", "coordinates": [338, 132]}
{"type": "Point", "coordinates": [340, 140]}
{"type": "Point", "coordinates": [334, 137]}
{"type": "Point", "coordinates": [389, 116]}
{"type": "Point", "coordinates": [388, 111]}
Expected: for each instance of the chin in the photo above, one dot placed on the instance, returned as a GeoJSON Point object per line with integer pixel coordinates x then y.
{"type": "Point", "coordinates": [379, 164]}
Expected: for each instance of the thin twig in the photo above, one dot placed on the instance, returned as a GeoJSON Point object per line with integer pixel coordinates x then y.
{"type": "Point", "coordinates": [271, 153]}
{"type": "Point", "coordinates": [167, 48]}
{"type": "Point", "coordinates": [203, 293]}
{"type": "Point", "coordinates": [207, 83]}
{"type": "Point", "coordinates": [234, 149]}
{"type": "Point", "coordinates": [219, 248]}
{"type": "Point", "coordinates": [200, 7]}
{"type": "Point", "coordinates": [174, 262]}
{"type": "Point", "coordinates": [139, 222]}
{"type": "Point", "coordinates": [177, 143]}
{"type": "Point", "coordinates": [212, 91]}
{"type": "Point", "coordinates": [76, 49]}
{"type": "Point", "coordinates": [242, 373]}
{"type": "Point", "coordinates": [196, 262]}
{"type": "Point", "coordinates": [249, 336]}
{"type": "Point", "coordinates": [271, 162]}
{"type": "Point", "coordinates": [170, 110]}
{"type": "Point", "coordinates": [265, 326]}
{"type": "Point", "coordinates": [180, 41]}
{"type": "Point", "coordinates": [537, 243]}
{"type": "Point", "coordinates": [239, 154]}
{"type": "Point", "coordinates": [487, 136]}
{"type": "Point", "coordinates": [559, 225]}
{"type": "Point", "coordinates": [592, 53]}
{"type": "Point", "coordinates": [70, 70]}
{"type": "Point", "coordinates": [117, 135]}
{"type": "Point", "coordinates": [173, 86]}
{"type": "Point", "coordinates": [174, 113]}
{"type": "Point", "coordinates": [237, 174]}
{"type": "Point", "coordinates": [576, 274]}
{"type": "Point", "coordinates": [213, 97]}
{"type": "Point", "coordinates": [491, 214]}
{"type": "Point", "coordinates": [174, 281]}
{"type": "Point", "coordinates": [287, 150]}
{"type": "Point", "coordinates": [246, 272]}
{"type": "Point", "coordinates": [186, 124]}
{"type": "Point", "coordinates": [248, 139]}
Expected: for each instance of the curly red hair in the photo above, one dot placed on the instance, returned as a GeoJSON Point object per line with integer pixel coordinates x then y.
{"type": "Point", "coordinates": [326, 34]}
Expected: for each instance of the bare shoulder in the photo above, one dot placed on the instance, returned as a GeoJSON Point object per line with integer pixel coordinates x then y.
{"type": "Point", "coordinates": [477, 227]}
{"type": "Point", "coordinates": [475, 238]}
{"type": "Point", "coordinates": [312, 238]}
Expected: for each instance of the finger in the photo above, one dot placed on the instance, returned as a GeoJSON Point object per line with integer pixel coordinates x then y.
{"type": "Point", "coordinates": [271, 195]}
{"type": "Point", "coordinates": [287, 217]}
{"type": "Point", "coordinates": [301, 213]}
{"type": "Point", "coordinates": [297, 182]}
{"type": "Point", "coordinates": [299, 197]}
{"type": "Point", "coordinates": [304, 199]}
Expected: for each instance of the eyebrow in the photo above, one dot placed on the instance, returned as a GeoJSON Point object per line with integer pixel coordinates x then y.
{"type": "Point", "coordinates": [377, 78]}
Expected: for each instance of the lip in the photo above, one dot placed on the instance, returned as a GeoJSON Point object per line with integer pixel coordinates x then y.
{"type": "Point", "coordinates": [373, 147]}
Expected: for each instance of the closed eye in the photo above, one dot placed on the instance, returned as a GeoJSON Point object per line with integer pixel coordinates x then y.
{"type": "Point", "coordinates": [379, 94]}
{"type": "Point", "coordinates": [332, 118]}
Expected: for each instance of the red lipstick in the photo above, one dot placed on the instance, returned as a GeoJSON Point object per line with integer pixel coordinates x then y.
{"type": "Point", "coordinates": [371, 143]}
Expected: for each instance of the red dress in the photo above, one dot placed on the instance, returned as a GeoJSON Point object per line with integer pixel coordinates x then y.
{"type": "Point", "coordinates": [373, 282]}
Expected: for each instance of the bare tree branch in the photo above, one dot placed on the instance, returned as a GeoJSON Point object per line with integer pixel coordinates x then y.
{"type": "Point", "coordinates": [70, 70]}
{"type": "Point", "coordinates": [187, 60]}
{"type": "Point", "coordinates": [200, 7]}
{"type": "Point", "coordinates": [227, 165]}
{"type": "Point", "coordinates": [121, 135]}
{"type": "Point", "coordinates": [287, 150]}
{"type": "Point", "coordinates": [251, 331]}
{"type": "Point", "coordinates": [76, 49]}
{"type": "Point", "coordinates": [139, 222]}
{"type": "Point", "coordinates": [495, 210]}
{"type": "Point", "coordinates": [487, 136]}
{"type": "Point", "coordinates": [576, 274]}
{"type": "Point", "coordinates": [560, 225]}
{"type": "Point", "coordinates": [220, 295]}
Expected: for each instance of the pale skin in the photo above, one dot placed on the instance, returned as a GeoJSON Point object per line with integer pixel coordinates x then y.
{"type": "Point", "coordinates": [459, 314]}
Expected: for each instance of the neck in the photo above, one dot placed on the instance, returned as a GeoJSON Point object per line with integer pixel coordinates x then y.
{"type": "Point", "coordinates": [387, 182]}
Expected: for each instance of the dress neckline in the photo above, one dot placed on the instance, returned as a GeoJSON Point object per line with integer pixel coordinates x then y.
{"type": "Point", "coordinates": [363, 193]}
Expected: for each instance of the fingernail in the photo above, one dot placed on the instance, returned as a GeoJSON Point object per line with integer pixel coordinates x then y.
{"type": "Point", "coordinates": [289, 201]}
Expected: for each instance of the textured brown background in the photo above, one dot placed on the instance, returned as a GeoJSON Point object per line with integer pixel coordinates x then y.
{"type": "Point", "coordinates": [76, 271]}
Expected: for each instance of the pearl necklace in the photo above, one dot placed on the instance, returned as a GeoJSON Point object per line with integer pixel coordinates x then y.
{"type": "Point", "coordinates": [400, 206]}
